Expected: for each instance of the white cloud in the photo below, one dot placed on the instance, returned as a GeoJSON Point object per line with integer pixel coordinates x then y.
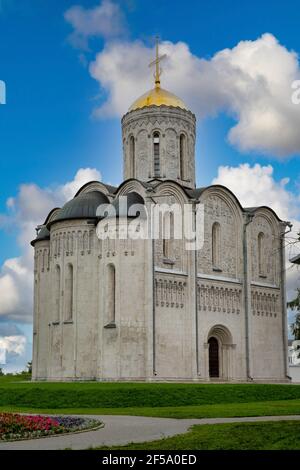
{"type": "Point", "coordinates": [256, 186]}
{"type": "Point", "coordinates": [27, 210]}
{"type": "Point", "coordinates": [106, 20]}
{"type": "Point", "coordinates": [2, 355]}
{"type": "Point", "coordinates": [251, 82]}
{"type": "Point", "coordinates": [83, 175]}
{"type": "Point", "coordinates": [9, 294]}
{"type": "Point", "coordinates": [11, 345]}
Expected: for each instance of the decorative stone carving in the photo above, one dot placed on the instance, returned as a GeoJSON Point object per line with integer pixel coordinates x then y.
{"type": "Point", "coordinates": [170, 123]}
{"type": "Point", "coordinates": [217, 209]}
{"type": "Point", "coordinates": [171, 152]}
{"type": "Point", "coordinates": [265, 303]}
{"type": "Point", "coordinates": [169, 293]}
{"type": "Point", "coordinates": [67, 242]}
{"type": "Point", "coordinates": [268, 271]}
{"type": "Point", "coordinates": [142, 158]}
{"type": "Point", "coordinates": [167, 300]}
{"type": "Point", "coordinates": [216, 298]}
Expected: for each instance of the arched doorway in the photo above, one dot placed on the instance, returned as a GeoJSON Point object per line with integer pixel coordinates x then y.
{"type": "Point", "coordinates": [213, 352]}
{"type": "Point", "coordinates": [220, 354]}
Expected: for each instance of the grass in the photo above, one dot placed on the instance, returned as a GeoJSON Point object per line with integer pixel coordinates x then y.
{"type": "Point", "coordinates": [228, 410]}
{"type": "Point", "coordinates": [58, 396]}
{"type": "Point", "coordinates": [146, 399]}
{"type": "Point", "coordinates": [282, 435]}
{"type": "Point", "coordinates": [174, 401]}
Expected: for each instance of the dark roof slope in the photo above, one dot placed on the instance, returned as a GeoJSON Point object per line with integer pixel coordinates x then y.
{"type": "Point", "coordinates": [43, 234]}
{"type": "Point", "coordinates": [125, 207]}
{"type": "Point", "coordinates": [83, 206]}
{"type": "Point", "coordinates": [110, 189]}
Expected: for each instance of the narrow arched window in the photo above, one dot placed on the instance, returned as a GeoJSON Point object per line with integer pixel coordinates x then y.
{"type": "Point", "coordinates": [216, 245]}
{"type": "Point", "coordinates": [57, 294]}
{"type": "Point", "coordinates": [168, 235]}
{"type": "Point", "coordinates": [111, 294]}
{"type": "Point", "coordinates": [132, 156]}
{"type": "Point", "coordinates": [156, 153]}
{"type": "Point", "coordinates": [260, 249]}
{"type": "Point", "coordinates": [182, 158]}
{"type": "Point", "coordinates": [69, 282]}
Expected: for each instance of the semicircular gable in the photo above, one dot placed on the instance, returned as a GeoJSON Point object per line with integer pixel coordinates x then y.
{"type": "Point", "coordinates": [51, 215]}
{"type": "Point", "coordinates": [267, 218]}
{"type": "Point", "coordinates": [95, 186]}
{"type": "Point", "coordinates": [227, 196]}
{"type": "Point", "coordinates": [270, 215]}
{"type": "Point", "coordinates": [265, 261]}
{"type": "Point", "coordinates": [131, 185]}
{"type": "Point", "coordinates": [172, 188]}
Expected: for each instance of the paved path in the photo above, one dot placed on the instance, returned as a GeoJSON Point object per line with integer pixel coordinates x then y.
{"type": "Point", "coordinates": [125, 429]}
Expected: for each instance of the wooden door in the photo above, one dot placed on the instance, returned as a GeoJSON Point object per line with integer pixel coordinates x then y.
{"type": "Point", "coordinates": [213, 357]}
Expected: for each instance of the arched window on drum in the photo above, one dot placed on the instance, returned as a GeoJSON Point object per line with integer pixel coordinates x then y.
{"type": "Point", "coordinates": [156, 153]}
{"type": "Point", "coordinates": [132, 156]}
{"type": "Point", "coordinates": [182, 156]}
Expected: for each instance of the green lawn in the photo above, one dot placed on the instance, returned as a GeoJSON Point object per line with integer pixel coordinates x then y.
{"type": "Point", "coordinates": [174, 401]}
{"type": "Point", "coordinates": [146, 399]}
{"type": "Point", "coordinates": [267, 408]}
{"type": "Point", "coordinates": [283, 435]}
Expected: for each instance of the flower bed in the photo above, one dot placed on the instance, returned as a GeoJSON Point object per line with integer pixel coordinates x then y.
{"type": "Point", "coordinates": [15, 426]}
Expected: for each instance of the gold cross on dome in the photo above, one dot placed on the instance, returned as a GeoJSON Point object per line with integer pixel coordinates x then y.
{"type": "Point", "coordinates": [156, 62]}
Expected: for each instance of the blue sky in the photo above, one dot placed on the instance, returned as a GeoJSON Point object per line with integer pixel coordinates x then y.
{"type": "Point", "coordinates": [47, 131]}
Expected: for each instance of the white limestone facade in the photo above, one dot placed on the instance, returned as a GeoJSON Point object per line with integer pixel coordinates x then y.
{"type": "Point", "coordinates": [174, 129]}
{"type": "Point", "coordinates": [151, 310]}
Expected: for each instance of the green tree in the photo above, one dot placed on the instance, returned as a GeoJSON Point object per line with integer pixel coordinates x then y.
{"type": "Point", "coordinates": [1, 372]}
{"type": "Point", "coordinates": [295, 306]}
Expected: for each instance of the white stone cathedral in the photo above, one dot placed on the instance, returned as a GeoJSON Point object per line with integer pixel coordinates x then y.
{"type": "Point", "coordinates": [150, 309]}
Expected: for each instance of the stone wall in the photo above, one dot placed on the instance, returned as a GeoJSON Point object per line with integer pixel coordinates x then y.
{"type": "Point", "coordinates": [170, 123]}
{"type": "Point", "coordinates": [124, 340]}
{"type": "Point", "coordinates": [156, 321]}
{"type": "Point", "coordinates": [174, 326]}
{"type": "Point", "coordinates": [221, 208]}
{"type": "Point", "coordinates": [41, 317]}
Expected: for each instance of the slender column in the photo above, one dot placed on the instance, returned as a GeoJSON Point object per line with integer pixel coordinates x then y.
{"type": "Point", "coordinates": [247, 298]}
{"type": "Point", "coordinates": [206, 361]}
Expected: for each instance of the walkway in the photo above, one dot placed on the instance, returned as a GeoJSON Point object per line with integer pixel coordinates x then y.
{"type": "Point", "coordinates": [121, 430]}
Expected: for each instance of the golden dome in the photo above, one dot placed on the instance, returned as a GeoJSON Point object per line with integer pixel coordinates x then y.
{"type": "Point", "coordinates": [157, 97]}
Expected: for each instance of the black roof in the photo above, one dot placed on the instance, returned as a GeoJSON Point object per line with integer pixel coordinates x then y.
{"type": "Point", "coordinates": [83, 206]}
{"type": "Point", "coordinates": [124, 208]}
{"type": "Point", "coordinates": [43, 234]}
{"type": "Point", "coordinates": [111, 189]}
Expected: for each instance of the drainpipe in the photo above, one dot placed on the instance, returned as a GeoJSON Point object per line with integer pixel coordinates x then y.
{"type": "Point", "coordinates": [283, 297]}
{"type": "Point", "coordinates": [153, 309]}
{"type": "Point", "coordinates": [150, 226]}
{"type": "Point", "coordinates": [249, 219]}
{"type": "Point", "coordinates": [196, 294]}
